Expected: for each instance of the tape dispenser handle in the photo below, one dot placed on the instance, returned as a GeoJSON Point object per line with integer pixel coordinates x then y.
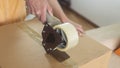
{"type": "Point", "coordinates": [52, 20]}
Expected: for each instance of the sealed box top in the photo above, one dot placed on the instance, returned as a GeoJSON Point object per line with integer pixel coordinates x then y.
{"type": "Point", "coordinates": [19, 50]}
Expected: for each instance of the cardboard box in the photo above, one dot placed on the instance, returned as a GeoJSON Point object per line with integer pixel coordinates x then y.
{"type": "Point", "coordinates": [20, 48]}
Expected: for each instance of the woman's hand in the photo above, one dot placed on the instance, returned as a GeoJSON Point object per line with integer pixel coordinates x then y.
{"type": "Point", "coordinates": [39, 8]}
{"type": "Point", "coordinates": [77, 26]}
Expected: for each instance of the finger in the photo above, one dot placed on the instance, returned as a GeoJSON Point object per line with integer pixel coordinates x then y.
{"type": "Point", "coordinates": [50, 11]}
{"type": "Point", "coordinates": [80, 34]}
{"type": "Point", "coordinates": [28, 6]}
{"type": "Point", "coordinates": [81, 30]}
{"type": "Point", "coordinates": [32, 9]}
{"type": "Point", "coordinates": [33, 6]}
{"type": "Point", "coordinates": [43, 14]}
{"type": "Point", "coordinates": [38, 14]}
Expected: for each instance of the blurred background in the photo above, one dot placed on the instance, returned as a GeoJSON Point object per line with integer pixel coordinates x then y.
{"type": "Point", "coordinates": [92, 13]}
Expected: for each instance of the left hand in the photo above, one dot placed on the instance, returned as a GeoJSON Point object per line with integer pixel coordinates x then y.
{"type": "Point", "coordinates": [77, 26]}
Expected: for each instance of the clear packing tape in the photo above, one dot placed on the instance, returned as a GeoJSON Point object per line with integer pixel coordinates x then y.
{"type": "Point", "coordinates": [71, 35]}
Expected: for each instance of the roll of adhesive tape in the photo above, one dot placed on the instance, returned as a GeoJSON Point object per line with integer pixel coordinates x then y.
{"type": "Point", "coordinates": [71, 35]}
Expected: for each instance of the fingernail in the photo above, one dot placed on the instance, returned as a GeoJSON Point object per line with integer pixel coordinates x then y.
{"type": "Point", "coordinates": [50, 13]}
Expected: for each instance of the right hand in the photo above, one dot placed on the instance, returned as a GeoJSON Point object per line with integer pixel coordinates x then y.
{"type": "Point", "coordinates": [39, 8]}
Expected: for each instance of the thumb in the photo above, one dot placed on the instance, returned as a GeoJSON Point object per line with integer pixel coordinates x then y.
{"type": "Point", "coordinates": [43, 15]}
{"type": "Point", "coordinates": [49, 9]}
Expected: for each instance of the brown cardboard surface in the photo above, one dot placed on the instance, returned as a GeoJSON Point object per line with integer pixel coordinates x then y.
{"type": "Point", "coordinates": [19, 50]}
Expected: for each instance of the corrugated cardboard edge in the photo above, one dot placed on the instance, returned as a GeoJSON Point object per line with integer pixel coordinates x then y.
{"type": "Point", "coordinates": [100, 62]}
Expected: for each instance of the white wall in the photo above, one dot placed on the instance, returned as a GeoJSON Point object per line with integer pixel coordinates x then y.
{"type": "Point", "coordinates": [100, 12]}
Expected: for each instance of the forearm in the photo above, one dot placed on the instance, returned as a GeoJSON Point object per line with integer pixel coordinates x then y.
{"type": "Point", "coordinates": [57, 10]}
